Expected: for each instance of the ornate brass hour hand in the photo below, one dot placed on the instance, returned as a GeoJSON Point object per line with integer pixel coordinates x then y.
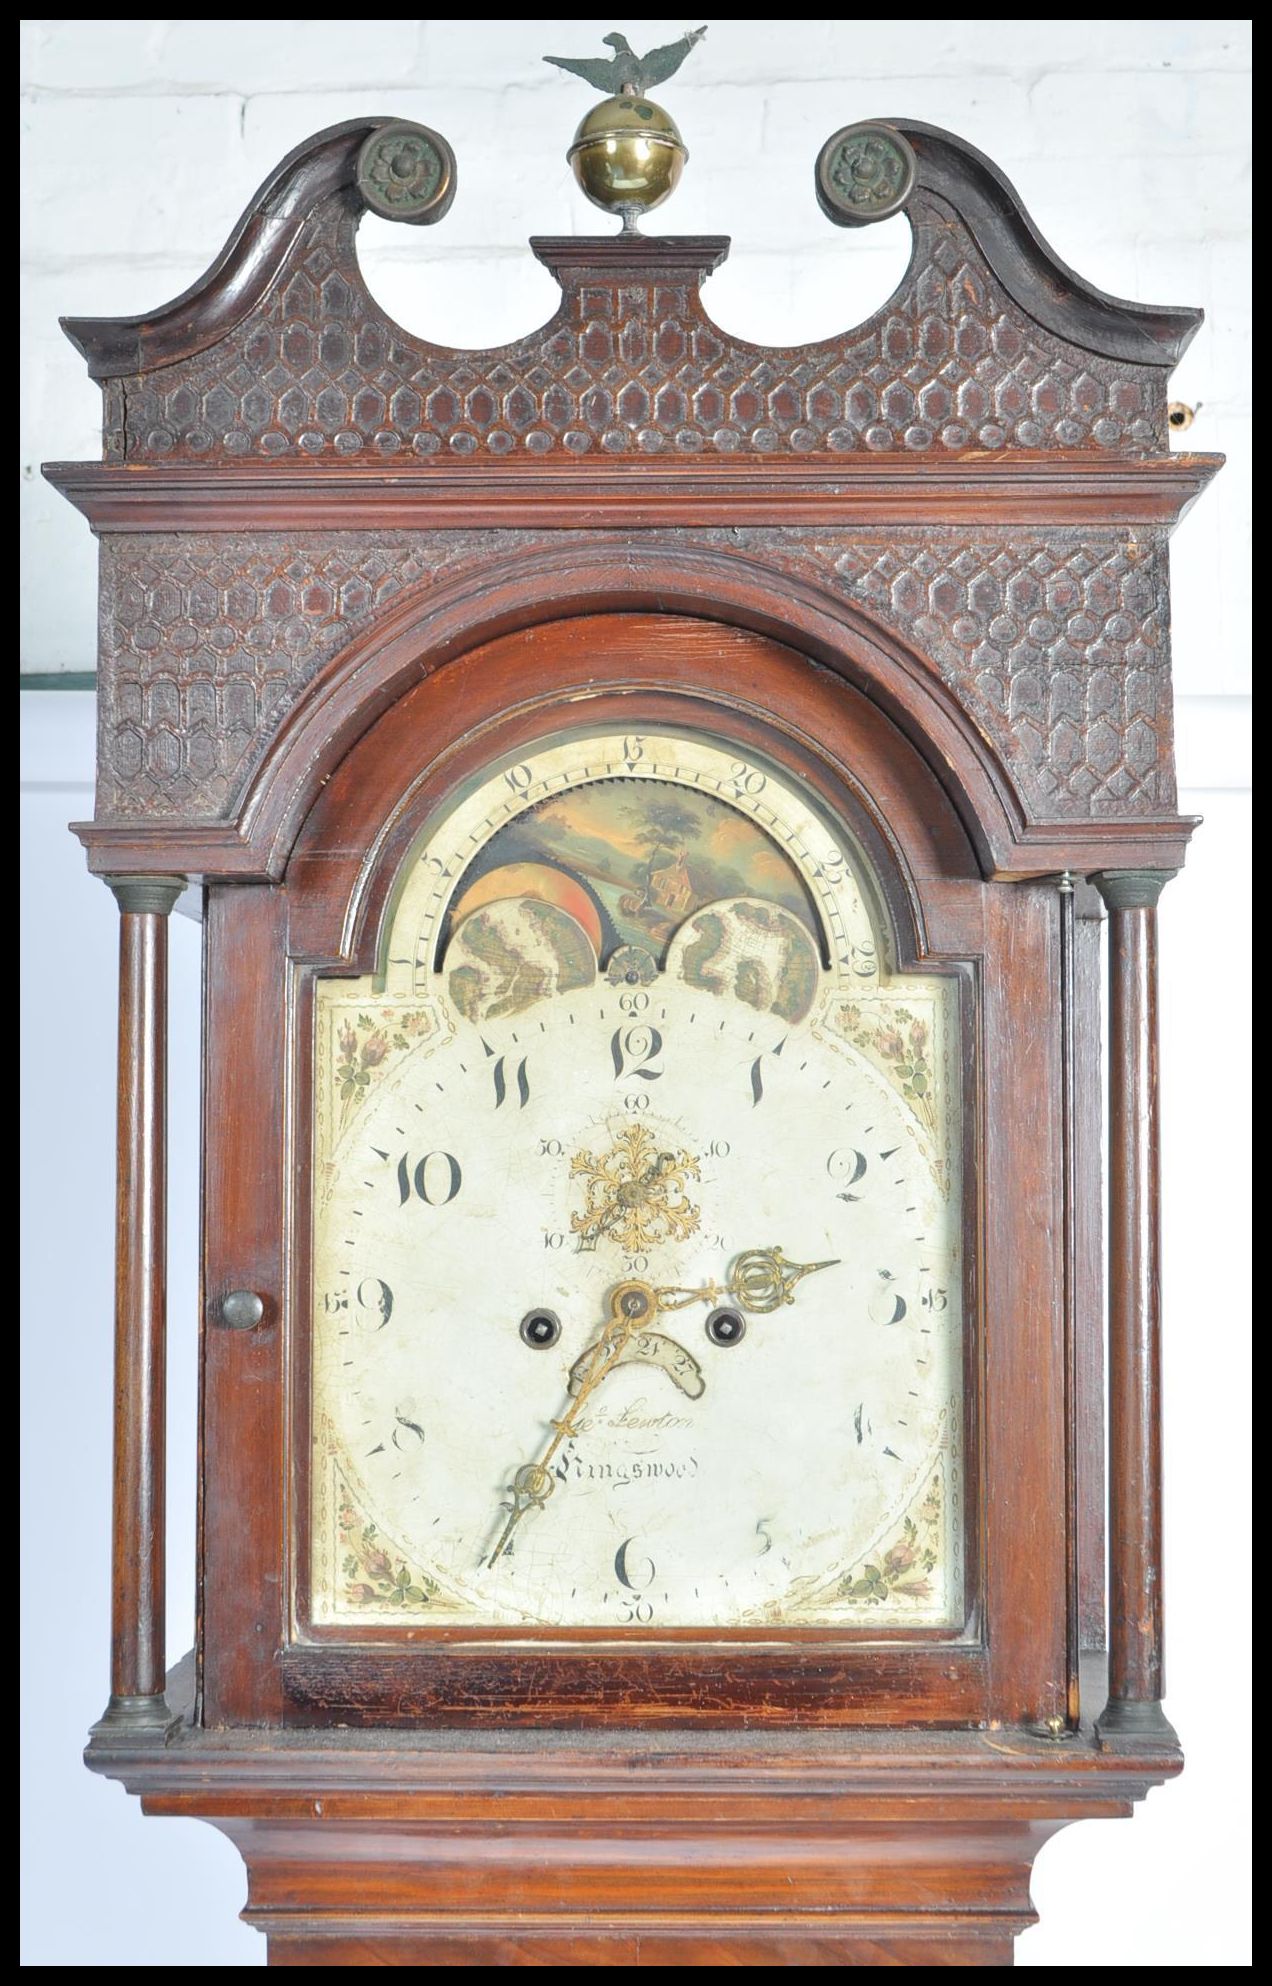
{"type": "Point", "coordinates": [631, 1307]}
{"type": "Point", "coordinates": [761, 1280]}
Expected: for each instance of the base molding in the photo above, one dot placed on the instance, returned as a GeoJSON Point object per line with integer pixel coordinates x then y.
{"type": "Point", "coordinates": [637, 1847]}
{"type": "Point", "coordinates": [749, 1886]}
{"type": "Point", "coordinates": [760, 1944]}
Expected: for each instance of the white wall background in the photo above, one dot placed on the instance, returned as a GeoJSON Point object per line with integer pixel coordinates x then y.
{"type": "Point", "coordinates": [1129, 141]}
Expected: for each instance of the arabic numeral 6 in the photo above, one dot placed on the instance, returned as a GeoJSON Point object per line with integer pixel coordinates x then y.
{"type": "Point", "coordinates": [636, 1573]}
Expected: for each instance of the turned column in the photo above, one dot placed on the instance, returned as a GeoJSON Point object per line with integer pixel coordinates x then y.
{"type": "Point", "coordinates": [1136, 1672]}
{"type": "Point", "coordinates": [137, 1671]}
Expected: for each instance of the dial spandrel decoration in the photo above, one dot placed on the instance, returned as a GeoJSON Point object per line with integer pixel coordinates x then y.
{"type": "Point", "coordinates": [637, 1220]}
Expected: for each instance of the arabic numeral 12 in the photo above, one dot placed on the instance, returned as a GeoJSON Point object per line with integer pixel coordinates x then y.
{"type": "Point", "coordinates": [634, 1051]}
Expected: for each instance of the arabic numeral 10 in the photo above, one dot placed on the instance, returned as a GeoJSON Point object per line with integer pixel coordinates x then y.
{"type": "Point", "coordinates": [435, 1179]}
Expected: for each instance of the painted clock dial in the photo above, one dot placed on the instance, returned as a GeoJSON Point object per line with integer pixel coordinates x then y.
{"type": "Point", "coordinates": [637, 1220]}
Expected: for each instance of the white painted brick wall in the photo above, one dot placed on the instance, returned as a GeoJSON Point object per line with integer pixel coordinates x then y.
{"type": "Point", "coordinates": [143, 141]}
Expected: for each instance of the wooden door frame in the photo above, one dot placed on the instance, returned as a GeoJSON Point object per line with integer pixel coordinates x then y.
{"type": "Point", "coordinates": [1011, 1666]}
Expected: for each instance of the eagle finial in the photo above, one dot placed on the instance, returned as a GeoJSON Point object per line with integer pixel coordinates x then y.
{"type": "Point", "coordinates": [626, 73]}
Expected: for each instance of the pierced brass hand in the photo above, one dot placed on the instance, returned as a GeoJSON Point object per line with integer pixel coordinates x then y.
{"type": "Point", "coordinates": [761, 1280]}
{"type": "Point", "coordinates": [631, 1307]}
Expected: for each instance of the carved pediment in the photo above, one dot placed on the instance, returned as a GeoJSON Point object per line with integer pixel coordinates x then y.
{"type": "Point", "coordinates": [989, 342]}
{"type": "Point", "coordinates": [981, 471]}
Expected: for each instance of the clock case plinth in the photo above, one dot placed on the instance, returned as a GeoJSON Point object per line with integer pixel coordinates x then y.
{"type": "Point", "coordinates": [637, 1848]}
{"type": "Point", "coordinates": [952, 523]}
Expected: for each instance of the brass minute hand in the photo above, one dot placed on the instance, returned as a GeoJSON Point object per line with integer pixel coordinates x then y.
{"type": "Point", "coordinates": [631, 1306]}
{"type": "Point", "coordinates": [761, 1280]}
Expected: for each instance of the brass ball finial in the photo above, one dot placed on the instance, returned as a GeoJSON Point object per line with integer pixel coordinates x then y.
{"type": "Point", "coordinates": [627, 154]}
{"type": "Point", "coordinates": [627, 157]}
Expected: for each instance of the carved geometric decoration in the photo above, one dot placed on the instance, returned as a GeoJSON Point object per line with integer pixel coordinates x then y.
{"type": "Point", "coordinates": [1055, 643]}
{"type": "Point", "coordinates": [950, 362]}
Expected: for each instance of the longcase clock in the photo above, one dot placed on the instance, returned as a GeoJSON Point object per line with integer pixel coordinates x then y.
{"type": "Point", "coordinates": [658, 805]}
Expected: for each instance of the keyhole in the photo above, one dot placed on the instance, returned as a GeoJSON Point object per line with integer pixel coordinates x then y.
{"type": "Point", "coordinates": [726, 1327]}
{"type": "Point", "coordinates": [540, 1329]}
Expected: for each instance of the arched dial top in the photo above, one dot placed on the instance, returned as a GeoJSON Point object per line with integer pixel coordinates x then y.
{"type": "Point", "coordinates": [751, 829]}
{"type": "Point", "coordinates": [637, 1220]}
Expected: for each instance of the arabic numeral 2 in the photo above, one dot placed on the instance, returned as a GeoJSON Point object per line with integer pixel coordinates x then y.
{"type": "Point", "coordinates": [435, 1180]}
{"type": "Point", "coordinates": [848, 1168]}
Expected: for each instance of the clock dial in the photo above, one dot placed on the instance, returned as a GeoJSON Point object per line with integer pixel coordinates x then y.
{"type": "Point", "coordinates": [637, 1221]}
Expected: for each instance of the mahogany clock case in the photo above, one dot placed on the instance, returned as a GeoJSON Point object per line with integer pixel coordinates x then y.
{"type": "Point", "coordinates": [922, 570]}
{"type": "Point", "coordinates": [499, 698]}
